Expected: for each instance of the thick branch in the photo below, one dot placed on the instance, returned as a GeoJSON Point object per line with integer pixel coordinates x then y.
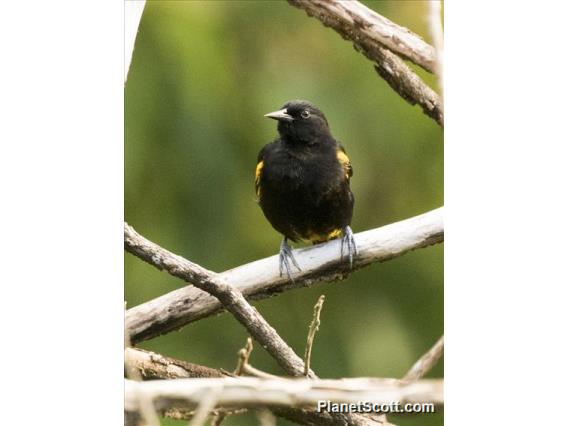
{"type": "Point", "coordinates": [152, 366]}
{"type": "Point", "coordinates": [366, 24]}
{"type": "Point", "coordinates": [230, 297]}
{"type": "Point", "coordinates": [261, 279]}
{"type": "Point", "coordinates": [155, 366]}
{"type": "Point", "coordinates": [375, 37]}
{"type": "Point", "coordinates": [255, 392]}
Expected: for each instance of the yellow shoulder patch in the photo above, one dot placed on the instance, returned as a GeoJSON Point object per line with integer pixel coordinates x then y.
{"type": "Point", "coordinates": [344, 160]}
{"type": "Point", "coordinates": [257, 174]}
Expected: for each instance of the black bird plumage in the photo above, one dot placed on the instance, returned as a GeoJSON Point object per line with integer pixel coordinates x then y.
{"type": "Point", "coordinates": [302, 181]}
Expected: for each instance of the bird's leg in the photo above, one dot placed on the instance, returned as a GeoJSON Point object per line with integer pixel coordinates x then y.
{"type": "Point", "coordinates": [349, 239]}
{"type": "Point", "coordinates": [285, 257]}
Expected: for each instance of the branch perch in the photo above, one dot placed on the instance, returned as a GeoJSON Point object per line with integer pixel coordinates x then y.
{"type": "Point", "coordinates": [380, 40]}
{"type": "Point", "coordinates": [201, 388]}
{"type": "Point", "coordinates": [231, 298]}
{"type": "Point", "coordinates": [261, 279]}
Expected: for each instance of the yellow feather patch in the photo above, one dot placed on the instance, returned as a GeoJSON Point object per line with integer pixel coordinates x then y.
{"type": "Point", "coordinates": [257, 173]}
{"type": "Point", "coordinates": [320, 238]}
{"type": "Point", "coordinates": [344, 160]}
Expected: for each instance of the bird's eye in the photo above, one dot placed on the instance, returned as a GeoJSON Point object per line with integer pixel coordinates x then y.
{"type": "Point", "coordinates": [305, 114]}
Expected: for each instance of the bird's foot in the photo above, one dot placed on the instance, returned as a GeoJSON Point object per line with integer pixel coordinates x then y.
{"type": "Point", "coordinates": [349, 239]}
{"type": "Point", "coordinates": [286, 256]}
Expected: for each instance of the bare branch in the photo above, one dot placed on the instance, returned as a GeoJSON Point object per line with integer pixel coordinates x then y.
{"type": "Point", "coordinates": [251, 371]}
{"type": "Point", "coordinates": [142, 412]}
{"type": "Point", "coordinates": [231, 298]}
{"type": "Point", "coordinates": [377, 38]}
{"type": "Point", "coordinates": [242, 362]}
{"type": "Point", "coordinates": [366, 24]}
{"type": "Point", "coordinates": [314, 326]}
{"type": "Point", "coordinates": [407, 84]}
{"type": "Point", "coordinates": [155, 366]}
{"type": "Point", "coordinates": [244, 367]}
{"type": "Point", "coordinates": [255, 392]}
{"type": "Point", "coordinates": [426, 362]}
{"type": "Point", "coordinates": [152, 366]}
{"type": "Point", "coordinates": [261, 279]}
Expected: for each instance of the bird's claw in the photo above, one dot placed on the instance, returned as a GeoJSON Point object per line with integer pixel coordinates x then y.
{"type": "Point", "coordinates": [349, 239]}
{"type": "Point", "coordinates": [286, 256]}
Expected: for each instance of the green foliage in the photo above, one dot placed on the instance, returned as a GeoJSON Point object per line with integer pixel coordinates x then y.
{"type": "Point", "coordinates": [203, 74]}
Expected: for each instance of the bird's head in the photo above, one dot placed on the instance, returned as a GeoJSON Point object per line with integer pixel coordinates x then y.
{"type": "Point", "coordinates": [301, 122]}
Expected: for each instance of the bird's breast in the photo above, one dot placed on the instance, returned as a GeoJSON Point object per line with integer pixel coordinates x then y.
{"type": "Point", "coordinates": [300, 171]}
{"type": "Point", "coordinates": [305, 196]}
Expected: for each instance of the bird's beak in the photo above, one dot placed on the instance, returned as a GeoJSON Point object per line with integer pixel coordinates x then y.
{"type": "Point", "coordinates": [280, 115]}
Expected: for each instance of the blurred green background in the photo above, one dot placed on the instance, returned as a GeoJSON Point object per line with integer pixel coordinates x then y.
{"type": "Point", "coordinates": [202, 76]}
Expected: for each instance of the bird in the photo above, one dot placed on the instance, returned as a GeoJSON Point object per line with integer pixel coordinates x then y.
{"type": "Point", "coordinates": [302, 182]}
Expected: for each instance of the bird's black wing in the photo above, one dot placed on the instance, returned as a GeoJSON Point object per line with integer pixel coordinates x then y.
{"type": "Point", "coordinates": [344, 160]}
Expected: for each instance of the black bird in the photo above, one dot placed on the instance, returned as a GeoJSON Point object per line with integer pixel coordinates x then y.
{"type": "Point", "coordinates": [302, 182]}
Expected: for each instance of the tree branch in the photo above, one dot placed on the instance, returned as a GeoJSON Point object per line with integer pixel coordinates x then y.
{"type": "Point", "coordinates": [261, 279]}
{"type": "Point", "coordinates": [377, 38]}
{"type": "Point", "coordinates": [231, 298]}
{"type": "Point", "coordinates": [152, 366]}
{"type": "Point", "coordinates": [312, 329]}
{"type": "Point", "coordinates": [430, 231]}
{"type": "Point", "coordinates": [366, 24]}
{"type": "Point", "coordinates": [256, 392]}
{"type": "Point", "coordinates": [426, 361]}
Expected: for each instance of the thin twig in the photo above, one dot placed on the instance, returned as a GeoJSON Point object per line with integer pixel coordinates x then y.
{"type": "Point", "coordinates": [251, 371]}
{"type": "Point", "coordinates": [314, 326]}
{"type": "Point", "coordinates": [261, 279]}
{"type": "Point", "coordinates": [243, 357]}
{"type": "Point", "coordinates": [426, 362]}
{"type": "Point", "coordinates": [243, 364]}
{"type": "Point", "coordinates": [354, 22]}
{"type": "Point", "coordinates": [242, 361]}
